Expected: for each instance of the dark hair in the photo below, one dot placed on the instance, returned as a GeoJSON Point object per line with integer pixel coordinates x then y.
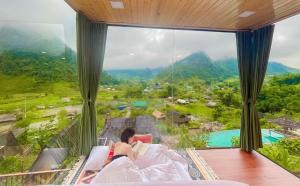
{"type": "Point", "coordinates": [126, 134]}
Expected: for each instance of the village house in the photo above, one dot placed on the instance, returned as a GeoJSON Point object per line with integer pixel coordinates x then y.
{"type": "Point", "coordinates": [177, 118]}
{"type": "Point", "coordinates": [158, 115]}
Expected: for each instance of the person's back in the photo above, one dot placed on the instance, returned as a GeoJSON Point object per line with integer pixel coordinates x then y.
{"type": "Point", "coordinates": [124, 148]}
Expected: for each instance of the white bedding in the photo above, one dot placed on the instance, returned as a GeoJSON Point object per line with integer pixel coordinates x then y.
{"type": "Point", "coordinates": [157, 164]}
{"type": "Point", "coordinates": [177, 183]}
{"type": "Point", "coordinates": [97, 158]}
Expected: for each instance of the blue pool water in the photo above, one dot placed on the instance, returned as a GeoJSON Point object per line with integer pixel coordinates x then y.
{"type": "Point", "coordinates": [223, 138]}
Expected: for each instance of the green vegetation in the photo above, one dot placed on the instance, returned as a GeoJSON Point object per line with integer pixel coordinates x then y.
{"type": "Point", "coordinates": [229, 97]}
{"type": "Point", "coordinates": [281, 94]}
{"type": "Point", "coordinates": [14, 63]}
{"type": "Point", "coordinates": [18, 163]}
{"type": "Point", "coordinates": [235, 141]}
{"type": "Point", "coordinates": [186, 140]}
{"type": "Point", "coordinates": [285, 152]}
{"type": "Point", "coordinates": [168, 129]}
{"type": "Point", "coordinates": [292, 145]}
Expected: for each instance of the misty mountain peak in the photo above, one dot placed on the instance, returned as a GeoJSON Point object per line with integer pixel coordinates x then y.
{"type": "Point", "coordinates": [28, 40]}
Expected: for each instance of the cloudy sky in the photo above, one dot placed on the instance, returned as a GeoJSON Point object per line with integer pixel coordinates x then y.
{"type": "Point", "coordinates": [140, 47]}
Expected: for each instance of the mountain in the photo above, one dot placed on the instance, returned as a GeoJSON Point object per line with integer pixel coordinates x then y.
{"type": "Point", "coordinates": [12, 38]}
{"type": "Point", "coordinates": [138, 74]}
{"type": "Point", "coordinates": [25, 50]}
{"type": "Point", "coordinates": [31, 51]}
{"type": "Point", "coordinates": [107, 79]}
{"type": "Point", "coordinates": [196, 65]}
{"type": "Point", "coordinates": [42, 55]}
{"type": "Point", "coordinates": [200, 65]}
{"type": "Point", "coordinates": [275, 68]}
{"type": "Point", "coordinates": [230, 67]}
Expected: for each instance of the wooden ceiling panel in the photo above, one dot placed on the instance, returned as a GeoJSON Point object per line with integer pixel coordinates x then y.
{"type": "Point", "coordinates": [189, 14]}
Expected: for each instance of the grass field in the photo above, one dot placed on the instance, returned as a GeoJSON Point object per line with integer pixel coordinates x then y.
{"type": "Point", "coordinates": [198, 109]}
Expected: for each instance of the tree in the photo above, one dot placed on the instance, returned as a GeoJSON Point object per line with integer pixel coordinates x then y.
{"type": "Point", "coordinates": [235, 141]}
{"type": "Point", "coordinates": [168, 91]}
{"type": "Point", "coordinates": [134, 91]}
{"type": "Point", "coordinates": [217, 112]}
{"type": "Point", "coordinates": [228, 97]}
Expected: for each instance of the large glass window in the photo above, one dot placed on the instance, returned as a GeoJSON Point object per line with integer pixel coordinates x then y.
{"type": "Point", "coordinates": [39, 95]}
{"type": "Point", "coordinates": [171, 81]}
{"type": "Point", "coordinates": [279, 100]}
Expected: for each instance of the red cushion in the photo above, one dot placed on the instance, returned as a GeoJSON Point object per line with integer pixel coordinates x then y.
{"type": "Point", "coordinates": [145, 138]}
{"type": "Point", "coordinates": [111, 152]}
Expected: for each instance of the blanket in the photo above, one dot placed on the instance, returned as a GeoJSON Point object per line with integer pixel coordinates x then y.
{"type": "Point", "coordinates": [158, 163]}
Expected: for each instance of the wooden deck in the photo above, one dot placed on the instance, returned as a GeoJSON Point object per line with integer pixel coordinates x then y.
{"type": "Point", "coordinates": [251, 168]}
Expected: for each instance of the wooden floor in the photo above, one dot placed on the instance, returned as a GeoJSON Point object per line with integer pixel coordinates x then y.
{"type": "Point", "coordinates": [251, 168]}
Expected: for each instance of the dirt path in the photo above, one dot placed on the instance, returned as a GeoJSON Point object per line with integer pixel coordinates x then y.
{"type": "Point", "coordinates": [128, 113]}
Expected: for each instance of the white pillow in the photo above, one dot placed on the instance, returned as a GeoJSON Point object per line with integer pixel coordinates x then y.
{"type": "Point", "coordinates": [97, 158]}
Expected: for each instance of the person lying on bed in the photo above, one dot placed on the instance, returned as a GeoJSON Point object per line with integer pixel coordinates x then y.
{"type": "Point", "coordinates": [124, 148]}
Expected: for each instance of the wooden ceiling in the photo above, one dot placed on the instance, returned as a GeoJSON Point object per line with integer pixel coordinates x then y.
{"type": "Point", "coordinates": [220, 15]}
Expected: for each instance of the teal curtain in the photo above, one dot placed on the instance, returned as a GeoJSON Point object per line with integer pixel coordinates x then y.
{"type": "Point", "coordinates": [253, 48]}
{"type": "Point", "coordinates": [91, 39]}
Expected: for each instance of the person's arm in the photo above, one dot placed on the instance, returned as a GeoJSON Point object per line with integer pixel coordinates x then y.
{"type": "Point", "coordinates": [133, 144]}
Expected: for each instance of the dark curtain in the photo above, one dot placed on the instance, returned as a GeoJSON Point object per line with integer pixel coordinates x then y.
{"type": "Point", "coordinates": [91, 39]}
{"type": "Point", "coordinates": [253, 48]}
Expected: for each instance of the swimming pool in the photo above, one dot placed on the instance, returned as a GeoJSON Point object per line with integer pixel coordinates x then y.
{"type": "Point", "coordinates": [223, 138]}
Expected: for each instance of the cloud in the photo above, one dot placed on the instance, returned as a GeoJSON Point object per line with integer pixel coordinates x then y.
{"type": "Point", "coordinates": [161, 47]}
{"type": "Point", "coordinates": [54, 12]}
{"type": "Point", "coordinates": [38, 11]}
{"type": "Point", "coordinates": [286, 42]}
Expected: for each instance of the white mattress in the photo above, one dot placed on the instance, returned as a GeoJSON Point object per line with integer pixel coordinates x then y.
{"type": "Point", "coordinates": [175, 183]}
{"type": "Point", "coordinates": [157, 164]}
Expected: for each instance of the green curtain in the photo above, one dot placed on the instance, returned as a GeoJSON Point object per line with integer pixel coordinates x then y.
{"type": "Point", "coordinates": [253, 48]}
{"type": "Point", "coordinates": [91, 39]}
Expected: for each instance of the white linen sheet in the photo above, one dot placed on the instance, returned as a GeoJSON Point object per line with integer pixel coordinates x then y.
{"type": "Point", "coordinates": [157, 164]}
{"type": "Point", "coordinates": [177, 183]}
{"type": "Point", "coordinates": [97, 158]}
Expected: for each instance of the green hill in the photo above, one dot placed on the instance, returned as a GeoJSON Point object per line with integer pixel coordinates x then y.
{"type": "Point", "coordinates": [196, 65]}
{"type": "Point", "coordinates": [42, 67]}
{"type": "Point", "coordinates": [201, 66]}
{"type": "Point", "coordinates": [275, 68]}
{"type": "Point", "coordinates": [46, 58]}
{"type": "Point", "coordinates": [230, 67]}
{"type": "Point", "coordinates": [138, 74]}
{"type": "Point", "coordinates": [38, 57]}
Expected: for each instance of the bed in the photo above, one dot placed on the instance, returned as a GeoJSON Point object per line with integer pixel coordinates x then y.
{"type": "Point", "coordinates": [177, 183]}
{"type": "Point", "coordinates": [157, 166]}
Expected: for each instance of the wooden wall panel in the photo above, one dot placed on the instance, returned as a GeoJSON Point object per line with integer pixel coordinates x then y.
{"type": "Point", "coordinates": [189, 14]}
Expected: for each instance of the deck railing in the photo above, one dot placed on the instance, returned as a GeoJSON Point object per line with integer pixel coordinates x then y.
{"type": "Point", "coordinates": [68, 138]}
{"type": "Point", "coordinates": [31, 178]}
